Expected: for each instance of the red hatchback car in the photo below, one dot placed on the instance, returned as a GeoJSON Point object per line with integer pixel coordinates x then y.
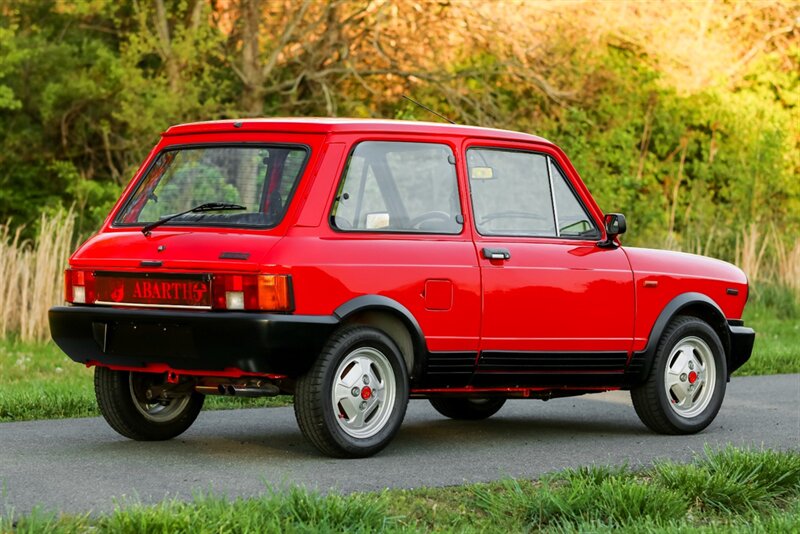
{"type": "Point", "coordinates": [358, 263]}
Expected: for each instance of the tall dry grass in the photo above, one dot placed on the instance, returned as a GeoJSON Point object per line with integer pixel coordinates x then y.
{"type": "Point", "coordinates": [766, 257]}
{"type": "Point", "coordinates": [788, 264]}
{"type": "Point", "coordinates": [751, 248]}
{"type": "Point", "coordinates": [31, 275]}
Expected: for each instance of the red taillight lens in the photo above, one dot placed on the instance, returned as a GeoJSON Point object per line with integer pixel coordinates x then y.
{"type": "Point", "coordinates": [266, 292]}
{"type": "Point", "coordinates": [79, 286]}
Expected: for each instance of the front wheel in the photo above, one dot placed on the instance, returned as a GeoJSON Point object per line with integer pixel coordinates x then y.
{"type": "Point", "coordinates": [352, 401]}
{"type": "Point", "coordinates": [467, 409]}
{"type": "Point", "coordinates": [684, 390]}
{"type": "Point", "coordinates": [122, 398]}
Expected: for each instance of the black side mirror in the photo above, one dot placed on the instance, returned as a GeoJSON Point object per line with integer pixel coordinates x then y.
{"type": "Point", "coordinates": [615, 225]}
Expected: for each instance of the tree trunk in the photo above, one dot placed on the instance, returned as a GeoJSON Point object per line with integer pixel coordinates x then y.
{"type": "Point", "coordinates": [252, 71]}
{"type": "Point", "coordinates": [170, 62]}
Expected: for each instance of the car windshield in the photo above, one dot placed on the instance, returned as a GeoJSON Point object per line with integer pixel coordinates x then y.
{"type": "Point", "coordinates": [261, 179]}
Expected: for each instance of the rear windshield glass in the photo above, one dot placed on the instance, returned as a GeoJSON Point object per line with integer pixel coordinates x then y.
{"type": "Point", "coordinates": [259, 179]}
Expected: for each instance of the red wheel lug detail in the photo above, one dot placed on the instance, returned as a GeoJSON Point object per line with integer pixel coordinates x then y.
{"type": "Point", "coordinates": [366, 392]}
{"type": "Point", "coordinates": [692, 377]}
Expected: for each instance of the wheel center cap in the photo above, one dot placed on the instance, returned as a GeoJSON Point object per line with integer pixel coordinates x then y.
{"type": "Point", "coordinates": [366, 392]}
{"type": "Point", "coordinates": [692, 377]}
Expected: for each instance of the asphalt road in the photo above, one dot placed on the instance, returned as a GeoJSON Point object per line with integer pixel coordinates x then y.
{"type": "Point", "coordinates": [81, 465]}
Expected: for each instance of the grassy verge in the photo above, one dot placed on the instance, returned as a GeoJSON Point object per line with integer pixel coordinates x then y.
{"type": "Point", "coordinates": [37, 381]}
{"type": "Point", "coordinates": [777, 347]}
{"type": "Point", "coordinates": [731, 490]}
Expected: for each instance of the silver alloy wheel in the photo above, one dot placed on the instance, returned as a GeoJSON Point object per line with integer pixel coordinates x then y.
{"type": "Point", "coordinates": [156, 412]}
{"type": "Point", "coordinates": [363, 392]}
{"type": "Point", "coordinates": [690, 377]}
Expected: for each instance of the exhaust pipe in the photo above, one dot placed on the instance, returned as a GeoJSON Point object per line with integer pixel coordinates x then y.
{"type": "Point", "coordinates": [263, 390]}
{"type": "Point", "coordinates": [256, 389]}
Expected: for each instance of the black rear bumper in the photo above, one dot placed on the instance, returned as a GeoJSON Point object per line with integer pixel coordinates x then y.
{"type": "Point", "coordinates": [742, 339]}
{"type": "Point", "coordinates": [265, 343]}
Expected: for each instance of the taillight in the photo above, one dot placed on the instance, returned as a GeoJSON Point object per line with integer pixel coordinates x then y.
{"type": "Point", "coordinates": [265, 292]}
{"type": "Point", "coordinates": [79, 286]}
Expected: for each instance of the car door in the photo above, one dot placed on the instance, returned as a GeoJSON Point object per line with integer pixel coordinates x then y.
{"type": "Point", "coordinates": [398, 232]}
{"type": "Point", "coordinates": [556, 306]}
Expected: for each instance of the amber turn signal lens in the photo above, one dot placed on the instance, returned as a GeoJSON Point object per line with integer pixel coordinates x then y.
{"type": "Point", "coordinates": [274, 292]}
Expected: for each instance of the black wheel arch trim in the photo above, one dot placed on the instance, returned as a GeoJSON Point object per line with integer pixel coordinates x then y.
{"type": "Point", "coordinates": [673, 308]}
{"type": "Point", "coordinates": [386, 304]}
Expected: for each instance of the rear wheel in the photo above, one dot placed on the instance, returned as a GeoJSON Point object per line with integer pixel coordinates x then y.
{"type": "Point", "coordinates": [684, 390]}
{"type": "Point", "coordinates": [468, 409]}
{"type": "Point", "coordinates": [122, 398]}
{"type": "Point", "coordinates": [352, 401]}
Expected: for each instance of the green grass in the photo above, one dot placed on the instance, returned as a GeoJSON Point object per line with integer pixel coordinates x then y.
{"type": "Point", "coordinates": [37, 381]}
{"type": "Point", "coordinates": [777, 345]}
{"type": "Point", "coordinates": [731, 490]}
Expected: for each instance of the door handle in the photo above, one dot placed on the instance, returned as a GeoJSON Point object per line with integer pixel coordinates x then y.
{"type": "Point", "coordinates": [496, 253]}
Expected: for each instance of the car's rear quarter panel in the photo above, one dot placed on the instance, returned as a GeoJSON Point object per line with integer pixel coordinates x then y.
{"type": "Point", "coordinates": [328, 271]}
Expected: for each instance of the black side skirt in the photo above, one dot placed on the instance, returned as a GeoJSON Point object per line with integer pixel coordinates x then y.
{"type": "Point", "coordinates": [512, 369]}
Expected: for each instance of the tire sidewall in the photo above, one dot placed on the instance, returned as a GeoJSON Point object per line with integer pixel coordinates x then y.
{"type": "Point", "coordinates": [467, 409]}
{"type": "Point", "coordinates": [698, 328]}
{"type": "Point", "coordinates": [364, 337]}
{"type": "Point", "coordinates": [126, 418]}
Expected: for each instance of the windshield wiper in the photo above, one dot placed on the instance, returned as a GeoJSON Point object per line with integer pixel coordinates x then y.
{"type": "Point", "coordinates": [208, 206]}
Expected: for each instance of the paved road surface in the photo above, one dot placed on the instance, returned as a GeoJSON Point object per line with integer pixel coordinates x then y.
{"type": "Point", "coordinates": [81, 465]}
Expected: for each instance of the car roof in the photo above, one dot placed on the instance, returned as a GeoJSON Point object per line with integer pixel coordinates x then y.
{"type": "Point", "coordinates": [324, 125]}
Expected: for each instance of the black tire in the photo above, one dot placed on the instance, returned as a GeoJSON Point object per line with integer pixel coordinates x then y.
{"type": "Point", "coordinates": [658, 407]}
{"type": "Point", "coordinates": [467, 409]}
{"type": "Point", "coordinates": [119, 396]}
{"type": "Point", "coordinates": [327, 425]}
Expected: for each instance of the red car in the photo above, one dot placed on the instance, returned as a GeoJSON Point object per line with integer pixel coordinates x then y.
{"type": "Point", "coordinates": [358, 263]}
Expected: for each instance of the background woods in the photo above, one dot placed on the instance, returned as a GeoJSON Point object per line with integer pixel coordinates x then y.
{"type": "Point", "coordinates": [683, 115]}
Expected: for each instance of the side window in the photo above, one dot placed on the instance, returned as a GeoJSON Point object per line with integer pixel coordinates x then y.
{"type": "Point", "coordinates": [510, 192]}
{"type": "Point", "coordinates": [398, 187]}
{"type": "Point", "coordinates": [573, 221]}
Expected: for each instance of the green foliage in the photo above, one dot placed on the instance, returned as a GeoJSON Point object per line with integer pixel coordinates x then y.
{"type": "Point", "coordinates": [774, 299]}
{"type": "Point", "coordinates": [686, 169]}
{"type": "Point", "coordinates": [63, 84]}
{"type": "Point", "coordinates": [84, 94]}
{"type": "Point", "coordinates": [10, 57]}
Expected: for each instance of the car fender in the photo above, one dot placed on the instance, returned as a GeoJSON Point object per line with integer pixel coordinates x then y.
{"type": "Point", "coordinates": [695, 304]}
{"type": "Point", "coordinates": [380, 303]}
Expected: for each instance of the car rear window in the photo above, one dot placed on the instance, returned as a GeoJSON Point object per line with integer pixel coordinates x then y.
{"type": "Point", "coordinates": [261, 179]}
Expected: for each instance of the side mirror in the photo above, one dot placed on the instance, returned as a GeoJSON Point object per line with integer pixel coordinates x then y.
{"type": "Point", "coordinates": [615, 225]}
